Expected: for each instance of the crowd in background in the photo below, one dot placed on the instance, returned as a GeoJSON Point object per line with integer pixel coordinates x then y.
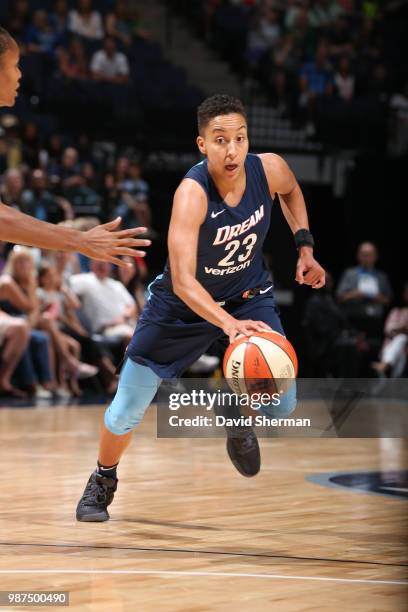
{"type": "Point", "coordinates": [96, 54]}
{"type": "Point", "coordinates": [59, 325]}
{"type": "Point", "coordinates": [333, 66]}
{"type": "Point", "coordinates": [58, 321]}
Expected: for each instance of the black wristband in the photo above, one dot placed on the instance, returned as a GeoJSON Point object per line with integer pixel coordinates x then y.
{"type": "Point", "coordinates": [303, 238]}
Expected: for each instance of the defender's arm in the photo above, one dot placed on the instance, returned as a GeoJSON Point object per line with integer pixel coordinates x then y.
{"type": "Point", "coordinates": [101, 242]}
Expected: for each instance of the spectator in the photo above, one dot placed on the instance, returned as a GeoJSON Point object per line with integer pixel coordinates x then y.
{"type": "Point", "coordinates": [69, 172]}
{"type": "Point", "coordinates": [344, 81]}
{"type": "Point", "coordinates": [73, 61]}
{"type": "Point", "coordinates": [36, 362]}
{"type": "Point", "coordinates": [323, 13]}
{"type": "Point", "coordinates": [39, 202]}
{"type": "Point", "coordinates": [315, 76]}
{"type": "Point", "coordinates": [393, 356]}
{"type": "Point", "coordinates": [11, 190]}
{"type": "Point", "coordinates": [83, 196]}
{"type": "Point", "coordinates": [133, 278]}
{"type": "Point", "coordinates": [364, 292]}
{"type": "Point", "coordinates": [331, 347]}
{"type": "Point", "coordinates": [280, 97]}
{"type": "Point", "coordinates": [85, 22]}
{"type": "Point", "coordinates": [30, 144]}
{"type": "Point", "coordinates": [14, 338]}
{"type": "Point", "coordinates": [59, 17]}
{"type": "Point", "coordinates": [18, 19]}
{"type": "Point", "coordinates": [118, 23]}
{"type": "Point", "coordinates": [18, 293]}
{"type": "Point", "coordinates": [110, 65]}
{"type": "Point", "coordinates": [41, 36]}
{"type": "Point", "coordinates": [135, 212]}
{"type": "Point", "coordinates": [132, 181]}
{"type": "Point", "coordinates": [62, 304]}
{"type": "Point", "coordinates": [106, 304]}
{"type": "Point", "coordinates": [399, 122]}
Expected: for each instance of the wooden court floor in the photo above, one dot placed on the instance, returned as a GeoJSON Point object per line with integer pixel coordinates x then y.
{"type": "Point", "coordinates": [188, 533]}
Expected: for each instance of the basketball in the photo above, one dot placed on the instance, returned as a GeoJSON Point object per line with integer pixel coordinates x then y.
{"type": "Point", "coordinates": [264, 362]}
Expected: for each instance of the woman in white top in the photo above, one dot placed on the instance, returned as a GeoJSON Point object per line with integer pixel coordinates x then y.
{"type": "Point", "coordinates": [85, 22]}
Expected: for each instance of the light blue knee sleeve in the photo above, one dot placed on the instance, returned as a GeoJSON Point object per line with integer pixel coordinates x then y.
{"type": "Point", "coordinates": [137, 387]}
{"type": "Point", "coordinates": [287, 404]}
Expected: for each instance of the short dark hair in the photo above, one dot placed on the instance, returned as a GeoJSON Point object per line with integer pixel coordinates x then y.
{"type": "Point", "coordinates": [220, 104]}
{"type": "Point", "coordinates": [6, 41]}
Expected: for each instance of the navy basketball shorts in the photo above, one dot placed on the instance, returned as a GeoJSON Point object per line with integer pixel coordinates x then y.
{"type": "Point", "coordinates": [169, 336]}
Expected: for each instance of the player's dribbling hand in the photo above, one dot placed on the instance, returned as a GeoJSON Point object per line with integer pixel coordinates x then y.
{"type": "Point", "coordinates": [104, 243]}
{"type": "Point", "coordinates": [309, 271]}
{"type": "Point", "coordinates": [235, 327]}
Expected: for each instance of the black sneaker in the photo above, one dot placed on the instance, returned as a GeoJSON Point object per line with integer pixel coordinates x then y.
{"type": "Point", "coordinates": [244, 452]}
{"type": "Point", "coordinates": [98, 494]}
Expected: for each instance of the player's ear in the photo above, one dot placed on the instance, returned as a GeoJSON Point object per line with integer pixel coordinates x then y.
{"type": "Point", "coordinates": [201, 145]}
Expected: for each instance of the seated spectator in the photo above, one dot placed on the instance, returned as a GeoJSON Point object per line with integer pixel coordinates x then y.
{"type": "Point", "coordinates": [110, 65]}
{"type": "Point", "coordinates": [41, 36]}
{"type": "Point", "coordinates": [133, 277]}
{"type": "Point", "coordinates": [106, 304]}
{"type": "Point", "coordinates": [18, 19]}
{"type": "Point", "coordinates": [364, 292]}
{"type": "Point", "coordinates": [70, 171]}
{"type": "Point", "coordinates": [393, 356]}
{"type": "Point", "coordinates": [399, 122]}
{"type": "Point", "coordinates": [281, 97]}
{"type": "Point", "coordinates": [82, 194]}
{"type": "Point", "coordinates": [118, 23]}
{"type": "Point", "coordinates": [42, 204]}
{"type": "Point", "coordinates": [18, 294]}
{"type": "Point", "coordinates": [85, 22]}
{"type": "Point", "coordinates": [59, 301]}
{"type": "Point", "coordinates": [11, 190]}
{"type": "Point", "coordinates": [73, 61]}
{"type": "Point", "coordinates": [31, 147]}
{"type": "Point", "coordinates": [331, 347]}
{"type": "Point", "coordinates": [132, 182]}
{"type": "Point", "coordinates": [14, 338]}
{"type": "Point", "coordinates": [323, 13]}
{"type": "Point", "coordinates": [135, 211]}
{"type": "Point", "coordinates": [344, 80]}
{"type": "Point", "coordinates": [59, 17]}
{"type": "Point", "coordinates": [287, 54]}
{"type": "Point", "coordinates": [315, 76]}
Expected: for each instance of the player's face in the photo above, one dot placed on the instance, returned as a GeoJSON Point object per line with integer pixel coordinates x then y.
{"type": "Point", "coordinates": [225, 143]}
{"type": "Point", "coordinates": [10, 76]}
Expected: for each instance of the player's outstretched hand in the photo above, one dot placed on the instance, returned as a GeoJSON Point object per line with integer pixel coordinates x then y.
{"type": "Point", "coordinates": [104, 243]}
{"type": "Point", "coordinates": [235, 327]}
{"type": "Point", "coordinates": [309, 271]}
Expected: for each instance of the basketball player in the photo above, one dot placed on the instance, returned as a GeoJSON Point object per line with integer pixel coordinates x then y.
{"type": "Point", "coordinates": [214, 287]}
{"type": "Point", "coordinates": [101, 242]}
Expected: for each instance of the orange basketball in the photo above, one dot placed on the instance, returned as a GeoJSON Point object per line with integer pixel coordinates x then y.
{"type": "Point", "coordinates": [260, 363]}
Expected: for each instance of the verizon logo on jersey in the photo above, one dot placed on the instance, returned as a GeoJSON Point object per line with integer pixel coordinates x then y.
{"type": "Point", "coordinates": [232, 231]}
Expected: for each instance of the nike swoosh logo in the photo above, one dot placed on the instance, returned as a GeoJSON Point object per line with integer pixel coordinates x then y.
{"type": "Point", "coordinates": [265, 290]}
{"type": "Point", "coordinates": [215, 214]}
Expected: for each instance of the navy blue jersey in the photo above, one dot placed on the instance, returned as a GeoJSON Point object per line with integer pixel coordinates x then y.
{"type": "Point", "coordinates": [230, 242]}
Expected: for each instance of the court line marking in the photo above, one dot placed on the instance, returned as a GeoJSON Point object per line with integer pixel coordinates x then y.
{"type": "Point", "coordinates": [205, 574]}
{"type": "Point", "coordinates": [202, 552]}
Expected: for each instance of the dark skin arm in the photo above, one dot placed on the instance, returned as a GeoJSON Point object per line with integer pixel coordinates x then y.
{"type": "Point", "coordinates": [282, 181]}
{"type": "Point", "coordinates": [102, 242]}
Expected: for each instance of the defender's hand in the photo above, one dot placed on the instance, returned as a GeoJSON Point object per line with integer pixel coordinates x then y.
{"type": "Point", "coordinates": [309, 271]}
{"type": "Point", "coordinates": [234, 328]}
{"type": "Point", "coordinates": [106, 244]}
